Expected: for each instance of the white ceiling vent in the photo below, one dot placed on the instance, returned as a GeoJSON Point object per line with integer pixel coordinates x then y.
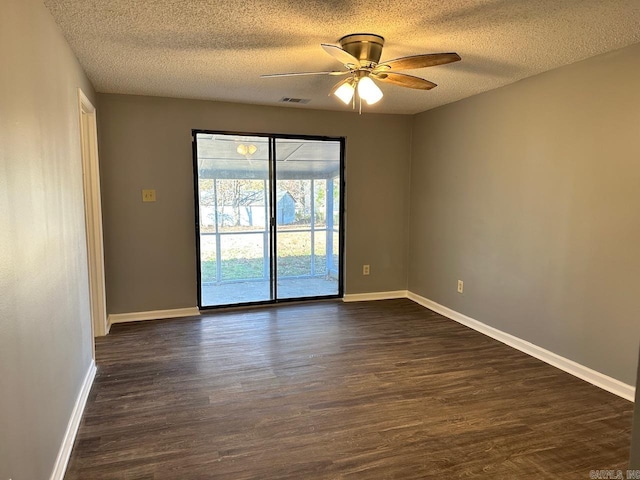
{"type": "Point", "coordinates": [294, 100]}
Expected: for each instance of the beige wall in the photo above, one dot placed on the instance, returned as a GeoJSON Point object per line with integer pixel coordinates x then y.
{"type": "Point", "coordinates": [145, 142]}
{"type": "Point", "coordinates": [530, 194]}
{"type": "Point", "coordinates": [45, 330]}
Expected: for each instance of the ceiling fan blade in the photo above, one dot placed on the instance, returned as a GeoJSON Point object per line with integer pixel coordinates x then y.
{"type": "Point", "coordinates": [404, 80]}
{"type": "Point", "coordinates": [296, 74]}
{"type": "Point", "coordinates": [341, 55]}
{"type": "Point", "coordinates": [418, 61]}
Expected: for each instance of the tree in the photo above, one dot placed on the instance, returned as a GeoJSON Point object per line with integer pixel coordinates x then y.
{"type": "Point", "coordinates": [237, 193]}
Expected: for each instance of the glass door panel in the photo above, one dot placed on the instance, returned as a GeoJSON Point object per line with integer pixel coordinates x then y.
{"type": "Point", "coordinates": [234, 228]}
{"type": "Point", "coordinates": [305, 202]}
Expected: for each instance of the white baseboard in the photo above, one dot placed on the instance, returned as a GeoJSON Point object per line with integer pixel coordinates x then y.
{"type": "Point", "coordinates": [365, 297]}
{"type": "Point", "coordinates": [64, 454]}
{"type": "Point", "coordinates": [585, 373]}
{"type": "Point", "coordinates": [152, 315]}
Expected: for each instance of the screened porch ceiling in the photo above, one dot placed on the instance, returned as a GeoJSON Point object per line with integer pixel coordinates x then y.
{"type": "Point", "coordinates": [221, 156]}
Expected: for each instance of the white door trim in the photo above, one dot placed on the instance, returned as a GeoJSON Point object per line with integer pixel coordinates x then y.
{"type": "Point", "coordinates": [93, 213]}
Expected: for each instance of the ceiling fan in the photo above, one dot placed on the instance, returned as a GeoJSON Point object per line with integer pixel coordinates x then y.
{"type": "Point", "coordinates": [360, 54]}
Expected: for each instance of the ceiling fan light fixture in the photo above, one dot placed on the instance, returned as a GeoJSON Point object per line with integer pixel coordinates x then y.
{"type": "Point", "coordinates": [246, 150]}
{"type": "Point", "coordinates": [369, 91]}
{"type": "Point", "coordinates": [345, 92]}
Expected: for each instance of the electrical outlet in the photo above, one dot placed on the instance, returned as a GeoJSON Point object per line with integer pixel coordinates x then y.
{"type": "Point", "coordinates": [148, 195]}
{"type": "Point", "coordinates": [365, 269]}
{"type": "Point", "coordinates": [460, 286]}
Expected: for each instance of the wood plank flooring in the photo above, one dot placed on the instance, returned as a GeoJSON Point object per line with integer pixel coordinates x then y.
{"type": "Point", "coordinates": [372, 390]}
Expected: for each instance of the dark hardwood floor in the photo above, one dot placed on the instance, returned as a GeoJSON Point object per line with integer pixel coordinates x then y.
{"type": "Point", "coordinates": [372, 390]}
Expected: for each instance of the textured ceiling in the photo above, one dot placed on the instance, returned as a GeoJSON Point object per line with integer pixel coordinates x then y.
{"type": "Point", "coordinates": [213, 50]}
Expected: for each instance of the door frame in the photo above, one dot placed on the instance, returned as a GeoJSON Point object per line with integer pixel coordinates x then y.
{"type": "Point", "coordinates": [93, 215]}
{"type": "Point", "coordinates": [272, 137]}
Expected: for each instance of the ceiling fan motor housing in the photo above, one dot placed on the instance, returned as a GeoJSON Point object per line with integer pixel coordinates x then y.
{"type": "Point", "coordinates": [366, 47]}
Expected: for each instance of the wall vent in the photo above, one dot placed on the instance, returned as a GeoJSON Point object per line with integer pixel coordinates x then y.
{"type": "Point", "coordinates": [294, 100]}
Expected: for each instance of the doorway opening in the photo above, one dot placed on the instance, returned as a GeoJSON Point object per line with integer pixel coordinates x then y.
{"type": "Point", "coordinates": [269, 217]}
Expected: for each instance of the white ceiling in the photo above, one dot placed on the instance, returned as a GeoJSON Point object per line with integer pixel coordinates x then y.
{"type": "Point", "coordinates": [213, 50]}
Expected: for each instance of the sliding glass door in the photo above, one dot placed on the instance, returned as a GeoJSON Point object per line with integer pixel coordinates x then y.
{"type": "Point", "coordinates": [268, 218]}
{"type": "Point", "coordinates": [307, 192]}
{"type": "Point", "coordinates": [233, 204]}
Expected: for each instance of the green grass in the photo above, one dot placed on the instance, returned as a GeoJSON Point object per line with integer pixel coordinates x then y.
{"type": "Point", "coordinates": [243, 256]}
{"type": "Point", "coordinates": [252, 268]}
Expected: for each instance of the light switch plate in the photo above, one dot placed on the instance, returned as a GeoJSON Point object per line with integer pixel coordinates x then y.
{"type": "Point", "coordinates": [148, 195]}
